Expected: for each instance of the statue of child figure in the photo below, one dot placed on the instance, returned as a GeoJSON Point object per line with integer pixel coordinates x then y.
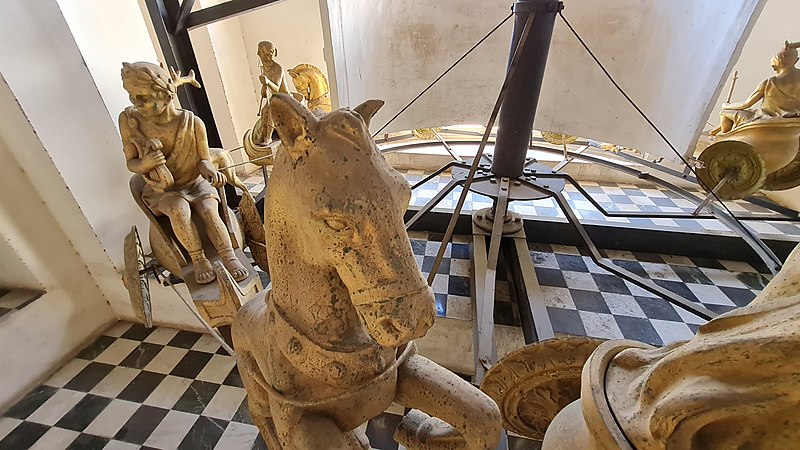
{"type": "Point", "coordinates": [169, 148]}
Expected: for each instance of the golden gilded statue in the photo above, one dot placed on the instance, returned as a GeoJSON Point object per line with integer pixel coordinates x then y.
{"type": "Point", "coordinates": [311, 83]}
{"type": "Point", "coordinates": [779, 95]}
{"type": "Point", "coordinates": [757, 148]}
{"type": "Point", "coordinates": [273, 81]}
{"type": "Point", "coordinates": [168, 147]}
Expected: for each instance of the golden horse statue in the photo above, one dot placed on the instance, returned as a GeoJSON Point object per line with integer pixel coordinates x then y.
{"type": "Point", "coordinates": [330, 346]}
{"type": "Point", "coordinates": [311, 83]}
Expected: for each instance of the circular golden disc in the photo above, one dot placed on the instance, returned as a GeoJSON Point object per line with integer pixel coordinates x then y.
{"type": "Point", "coordinates": [558, 138]}
{"type": "Point", "coordinates": [740, 157]}
{"type": "Point", "coordinates": [532, 384]}
{"type": "Point", "coordinates": [426, 134]}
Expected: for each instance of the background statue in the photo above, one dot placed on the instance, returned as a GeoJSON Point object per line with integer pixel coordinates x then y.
{"type": "Point", "coordinates": [330, 346]}
{"type": "Point", "coordinates": [311, 83]}
{"type": "Point", "coordinates": [273, 80]}
{"type": "Point", "coordinates": [169, 148]}
{"type": "Point", "coordinates": [779, 95]}
{"type": "Point", "coordinates": [758, 148]}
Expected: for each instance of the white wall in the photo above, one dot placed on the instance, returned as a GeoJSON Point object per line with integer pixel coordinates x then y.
{"type": "Point", "coordinates": [221, 56]}
{"type": "Point", "coordinates": [669, 55]}
{"type": "Point", "coordinates": [14, 271]}
{"type": "Point", "coordinates": [41, 222]}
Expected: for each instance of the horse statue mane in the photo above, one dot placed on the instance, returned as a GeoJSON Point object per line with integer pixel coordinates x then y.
{"type": "Point", "coordinates": [331, 344]}
{"type": "Point", "coordinates": [312, 85]}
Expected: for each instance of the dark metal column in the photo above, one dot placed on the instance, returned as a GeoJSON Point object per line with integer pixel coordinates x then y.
{"type": "Point", "coordinates": [518, 110]}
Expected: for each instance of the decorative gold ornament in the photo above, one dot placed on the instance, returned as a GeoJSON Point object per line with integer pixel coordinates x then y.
{"type": "Point", "coordinates": [312, 84]}
{"type": "Point", "coordinates": [532, 384]}
{"type": "Point", "coordinates": [558, 138]}
{"type": "Point", "coordinates": [426, 134]}
{"type": "Point", "coordinates": [738, 158]}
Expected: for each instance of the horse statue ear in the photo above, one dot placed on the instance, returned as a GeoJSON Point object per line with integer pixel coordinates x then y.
{"type": "Point", "coordinates": [368, 109]}
{"type": "Point", "coordinates": [293, 122]}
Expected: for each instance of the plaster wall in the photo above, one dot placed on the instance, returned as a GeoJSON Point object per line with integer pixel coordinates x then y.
{"type": "Point", "coordinates": [38, 220]}
{"type": "Point", "coordinates": [81, 172]}
{"type": "Point", "coordinates": [14, 271]}
{"type": "Point", "coordinates": [669, 55]}
{"type": "Point", "coordinates": [222, 58]}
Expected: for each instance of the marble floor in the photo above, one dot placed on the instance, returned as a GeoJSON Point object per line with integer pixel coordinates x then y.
{"type": "Point", "coordinates": [160, 388]}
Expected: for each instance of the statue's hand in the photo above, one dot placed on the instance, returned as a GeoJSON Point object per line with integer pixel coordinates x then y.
{"type": "Point", "coordinates": [216, 178]}
{"type": "Point", "coordinates": [153, 159]}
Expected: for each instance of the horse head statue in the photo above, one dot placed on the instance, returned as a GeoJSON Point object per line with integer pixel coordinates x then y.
{"type": "Point", "coordinates": [312, 84]}
{"type": "Point", "coordinates": [341, 205]}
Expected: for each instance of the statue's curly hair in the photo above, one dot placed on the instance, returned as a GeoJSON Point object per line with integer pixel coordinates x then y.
{"type": "Point", "coordinates": [155, 77]}
{"type": "Point", "coordinates": [149, 75]}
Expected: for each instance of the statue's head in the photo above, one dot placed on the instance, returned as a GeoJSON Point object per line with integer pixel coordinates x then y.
{"type": "Point", "coordinates": [786, 58]}
{"type": "Point", "coordinates": [151, 88]}
{"type": "Point", "coordinates": [267, 51]}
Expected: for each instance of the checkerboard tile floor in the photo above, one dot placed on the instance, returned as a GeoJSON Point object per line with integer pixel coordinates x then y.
{"type": "Point", "coordinates": [616, 197]}
{"type": "Point", "coordinates": [584, 299]}
{"type": "Point", "coordinates": [138, 388]}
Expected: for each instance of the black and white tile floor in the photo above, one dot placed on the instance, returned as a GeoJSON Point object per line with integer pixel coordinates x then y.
{"type": "Point", "coordinates": [138, 388]}
{"type": "Point", "coordinates": [616, 197]}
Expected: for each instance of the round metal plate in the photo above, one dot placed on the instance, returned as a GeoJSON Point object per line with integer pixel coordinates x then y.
{"type": "Point", "coordinates": [720, 157]}
{"type": "Point", "coordinates": [784, 178]}
{"type": "Point", "coordinates": [558, 138]}
{"type": "Point", "coordinates": [135, 278]}
{"type": "Point", "coordinates": [517, 191]}
{"type": "Point", "coordinates": [532, 384]}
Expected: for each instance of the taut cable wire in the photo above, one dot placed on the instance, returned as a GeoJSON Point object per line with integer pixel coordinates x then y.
{"type": "Point", "coordinates": [656, 129]}
{"type": "Point", "coordinates": [443, 74]}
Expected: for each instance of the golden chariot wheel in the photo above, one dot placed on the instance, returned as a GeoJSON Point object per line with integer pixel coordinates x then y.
{"type": "Point", "coordinates": [748, 172]}
{"type": "Point", "coordinates": [135, 278]}
{"type": "Point", "coordinates": [558, 138]}
{"type": "Point", "coordinates": [532, 384]}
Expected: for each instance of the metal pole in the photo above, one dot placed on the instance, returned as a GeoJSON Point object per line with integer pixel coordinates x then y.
{"type": "Point", "coordinates": [518, 110]}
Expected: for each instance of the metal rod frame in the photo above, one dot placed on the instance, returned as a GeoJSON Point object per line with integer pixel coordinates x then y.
{"type": "Point", "coordinates": [512, 67]}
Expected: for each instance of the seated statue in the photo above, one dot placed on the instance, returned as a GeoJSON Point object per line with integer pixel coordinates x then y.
{"type": "Point", "coordinates": [779, 95]}
{"type": "Point", "coordinates": [169, 149]}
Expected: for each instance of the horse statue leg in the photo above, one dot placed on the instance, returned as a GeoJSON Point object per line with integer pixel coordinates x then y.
{"type": "Point", "coordinates": [464, 417]}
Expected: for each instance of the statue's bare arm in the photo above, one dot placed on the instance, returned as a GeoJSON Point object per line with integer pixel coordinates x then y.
{"type": "Point", "coordinates": [205, 166]}
{"type": "Point", "coordinates": [148, 162]}
{"type": "Point", "coordinates": [754, 98]}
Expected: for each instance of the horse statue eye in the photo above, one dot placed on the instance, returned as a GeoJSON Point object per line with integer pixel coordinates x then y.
{"type": "Point", "coordinates": [336, 224]}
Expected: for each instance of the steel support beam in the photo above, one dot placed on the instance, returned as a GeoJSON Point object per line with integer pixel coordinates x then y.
{"type": "Point", "coordinates": [225, 10]}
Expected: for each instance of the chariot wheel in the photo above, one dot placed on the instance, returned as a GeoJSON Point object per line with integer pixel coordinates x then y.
{"type": "Point", "coordinates": [135, 278]}
{"type": "Point", "coordinates": [532, 384]}
{"type": "Point", "coordinates": [739, 158]}
{"type": "Point", "coordinates": [558, 138]}
{"type": "Point", "coordinates": [787, 177]}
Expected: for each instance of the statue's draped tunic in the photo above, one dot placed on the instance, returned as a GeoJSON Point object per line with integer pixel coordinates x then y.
{"type": "Point", "coordinates": [776, 103]}
{"type": "Point", "coordinates": [182, 162]}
